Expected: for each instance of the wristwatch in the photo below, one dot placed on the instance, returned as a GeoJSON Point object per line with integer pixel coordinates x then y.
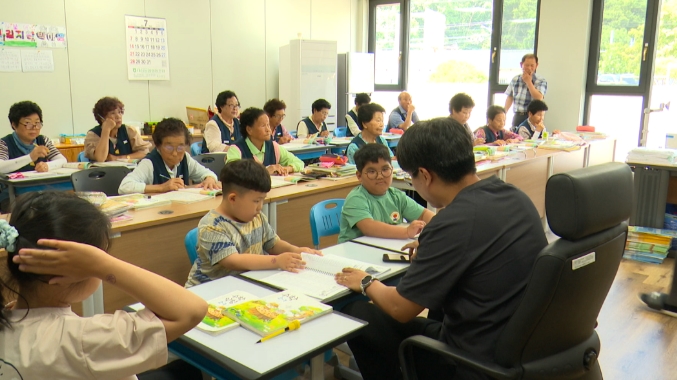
{"type": "Point", "coordinates": [365, 283]}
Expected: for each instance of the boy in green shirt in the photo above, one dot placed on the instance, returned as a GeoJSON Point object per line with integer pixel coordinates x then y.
{"type": "Point", "coordinates": [376, 209]}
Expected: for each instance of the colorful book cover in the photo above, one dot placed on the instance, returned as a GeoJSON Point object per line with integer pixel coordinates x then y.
{"type": "Point", "coordinates": [274, 312]}
{"type": "Point", "coordinates": [216, 322]}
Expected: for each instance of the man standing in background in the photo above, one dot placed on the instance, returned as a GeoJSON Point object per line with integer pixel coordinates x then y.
{"type": "Point", "coordinates": [524, 88]}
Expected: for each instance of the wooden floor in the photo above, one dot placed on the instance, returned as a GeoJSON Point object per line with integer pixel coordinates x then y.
{"type": "Point", "coordinates": [637, 343]}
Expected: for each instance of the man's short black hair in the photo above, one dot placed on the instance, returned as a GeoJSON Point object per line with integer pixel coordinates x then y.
{"type": "Point", "coordinates": [23, 109]}
{"type": "Point", "coordinates": [442, 146]}
{"type": "Point", "coordinates": [321, 104]}
{"type": "Point", "coordinates": [244, 175]}
{"type": "Point", "coordinates": [366, 112]}
{"type": "Point", "coordinates": [492, 111]}
{"type": "Point", "coordinates": [362, 99]}
{"type": "Point", "coordinates": [371, 153]}
{"type": "Point", "coordinates": [222, 99]}
{"type": "Point", "coordinates": [170, 127]}
{"type": "Point", "coordinates": [460, 101]}
{"type": "Point", "coordinates": [536, 106]}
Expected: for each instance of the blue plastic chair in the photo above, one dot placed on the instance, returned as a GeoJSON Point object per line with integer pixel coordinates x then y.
{"type": "Point", "coordinates": [324, 219]}
{"type": "Point", "coordinates": [196, 148]}
{"type": "Point", "coordinates": [340, 131]}
{"type": "Point", "coordinates": [82, 157]}
{"type": "Point", "coordinates": [191, 245]}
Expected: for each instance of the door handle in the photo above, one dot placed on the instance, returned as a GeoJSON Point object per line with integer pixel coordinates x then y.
{"type": "Point", "coordinates": [493, 56]}
{"type": "Point", "coordinates": [646, 49]}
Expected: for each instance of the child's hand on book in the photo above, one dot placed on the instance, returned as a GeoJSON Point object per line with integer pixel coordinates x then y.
{"type": "Point", "coordinates": [310, 250]}
{"type": "Point", "coordinates": [415, 228]}
{"type": "Point", "coordinates": [290, 261]}
{"type": "Point", "coordinates": [68, 261]}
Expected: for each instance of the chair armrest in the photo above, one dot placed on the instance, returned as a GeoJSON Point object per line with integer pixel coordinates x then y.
{"type": "Point", "coordinates": [460, 357]}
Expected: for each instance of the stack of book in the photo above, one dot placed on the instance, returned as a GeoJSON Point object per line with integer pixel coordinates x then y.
{"type": "Point", "coordinates": [260, 315]}
{"type": "Point", "coordinates": [649, 245]}
{"type": "Point", "coordinates": [332, 171]}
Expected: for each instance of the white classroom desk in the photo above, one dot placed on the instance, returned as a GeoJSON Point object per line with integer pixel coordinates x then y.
{"type": "Point", "coordinates": [43, 179]}
{"type": "Point", "coordinates": [236, 351]}
{"type": "Point", "coordinates": [361, 252]}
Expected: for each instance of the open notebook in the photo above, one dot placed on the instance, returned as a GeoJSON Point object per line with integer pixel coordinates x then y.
{"type": "Point", "coordinates": [317, 280]}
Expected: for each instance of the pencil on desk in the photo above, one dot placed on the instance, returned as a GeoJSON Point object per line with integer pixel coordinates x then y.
{"type": "Point", "coordinates": [293, 325]}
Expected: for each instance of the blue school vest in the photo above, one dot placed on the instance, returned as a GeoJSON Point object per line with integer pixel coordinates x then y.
{"type": "Point", "coordinates": [312, 129]}
{"type": "Point", "coordinates": [360, 143]}
{"type": "Point", "coordinates": [351, 113]}
{"type": "Point", "coordinates": [14, 152]}
{"type": "Point", "coordinates": [123, 146]}
{"type": "Point", "coordinates": [160, 169]}
{"type": "Point", "coordinates": [226, 137]}
{"type": "Point", "coordinates": [268, 157]}
{"type": "Point", "coordinates": [490, 136]}
{"type": "Point", "coordinates": [277, 133]}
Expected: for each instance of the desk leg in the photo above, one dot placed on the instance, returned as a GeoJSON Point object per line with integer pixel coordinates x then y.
{"type": "Point", "coordinates": [94, 303]}
{"type": "Point", "coordinates": [265, 210]}
{"type": "Point", "coordinates": [272, 215]}
{"type": "Point", "coordinates": [317, 367]}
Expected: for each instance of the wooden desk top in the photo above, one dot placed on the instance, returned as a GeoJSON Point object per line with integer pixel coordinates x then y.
{"type": "Point", "coordinates": [59, 145]}
{"type": "Point", "coordinates": [154, 215]}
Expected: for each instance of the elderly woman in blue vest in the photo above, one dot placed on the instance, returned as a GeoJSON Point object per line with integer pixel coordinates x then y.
{"type": "Point", "coordinates": [351, 117]}
{"type": "Point", "coordinates": [370, 120]}
{"type": "Point", "coordinates": [494, 133]}
{"type": "Point", "coordinates": [111, 140]}
{"type": "Point", "coordinates": [224, 128]}
{"type": "Point", "coordinates": [26, 149]}
{"type": "Point", "coordinates": [275, 109]}
{"type": "Point", "coordinates": [168, 167]}
{"type": "Point", "coordinates": [256, 144]}
{"type": "Point", "coordinates": [314, 124]}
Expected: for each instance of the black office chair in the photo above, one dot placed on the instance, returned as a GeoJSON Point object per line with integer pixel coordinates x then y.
{"type": "Point", "coordinates": [105, 179]}
{"type": "Point", "coordinates": [212, 161]}
{"type": "Point", "coordinates": [552, 334]}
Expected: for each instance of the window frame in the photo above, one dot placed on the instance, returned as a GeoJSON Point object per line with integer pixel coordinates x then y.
{"type": "Point", "coordinates": [405, 13]}
{"type": "Point", "coordinates": [649, 41]}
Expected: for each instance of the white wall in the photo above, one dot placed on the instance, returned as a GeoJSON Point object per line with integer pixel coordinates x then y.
{"type": "Point", "coordinates": [563, 39]}
{"type": "Point", "coordinates": [214, 45]}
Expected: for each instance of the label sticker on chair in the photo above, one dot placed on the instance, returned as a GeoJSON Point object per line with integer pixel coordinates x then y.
{"type": "Point", "coordinates": [583, 261]}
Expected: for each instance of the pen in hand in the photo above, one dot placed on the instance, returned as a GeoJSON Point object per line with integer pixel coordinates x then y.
{"type": "Point", "coordinates": [293, 325]}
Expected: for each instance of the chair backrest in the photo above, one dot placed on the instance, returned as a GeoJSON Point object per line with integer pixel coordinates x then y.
{"type": "Point", "coordinates": [196, 148]}
{"type": "Point", "coordinates": [191, 245]}
{"type": "Point", "coordinates": [82, 157]}
{"type": "Point", "coordinates": [106, 179]}
{"type": "Point", "coordinates": [212, 161]}
{"type": "Point", "coordinates": [340, 131]}
{"type": "Point", "coordinates": [553, 328]}
{"type": "Point", "coordinates": [324, 219]}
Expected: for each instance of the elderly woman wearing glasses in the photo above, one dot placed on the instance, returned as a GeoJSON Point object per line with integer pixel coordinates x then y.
{"type": "Point", "coordinates": [168, 167]}
{"type": "Point", "coordinates": [26, 149]}
{"type": "Point", "coordinates": [224, 128]}
{"type": "Point", "coordinates": [275, 109]}
{"type": "Point", "coordinates": [111, 140]}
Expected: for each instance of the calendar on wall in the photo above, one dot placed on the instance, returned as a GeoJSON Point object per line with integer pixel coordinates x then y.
{"type": "Point", "coordinates": [147, 52]}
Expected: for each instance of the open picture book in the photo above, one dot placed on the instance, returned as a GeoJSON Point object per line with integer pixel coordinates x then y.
{"type": "Point", "coordinates": [317, 279]}
{"type": "Point", "coordinates": [216, 321]}
{"type": "Point", "coordinates": [274, 312]}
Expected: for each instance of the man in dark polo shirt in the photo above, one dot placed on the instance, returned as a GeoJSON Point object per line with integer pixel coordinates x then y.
{"type": "Point", "coordinates": [473, 260]}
